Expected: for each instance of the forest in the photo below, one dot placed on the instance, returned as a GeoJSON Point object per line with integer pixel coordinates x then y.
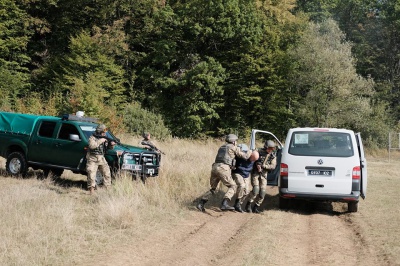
{"type": "Point", "coordinates": [196, 69]}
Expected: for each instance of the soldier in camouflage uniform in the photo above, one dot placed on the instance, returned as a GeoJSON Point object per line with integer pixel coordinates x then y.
{"type": "Point", "coordinates": [95, 158]}
{"type": "Point", "coordinates": [222, 172]}
{"type": "Point", "coordinates": [147, 142]}
{"type": "Point", "coordinates": [265, 164]}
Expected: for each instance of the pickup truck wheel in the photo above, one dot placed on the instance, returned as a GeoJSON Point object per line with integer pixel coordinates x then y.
{"type": "Point", "coordinates": [99, 178]}
{"type": "Point", "coordinates": [57, 172]}
{"type": "Point", "coordinates": [16, 164]}
{"type": "Point", "coordinates": [352, 206]}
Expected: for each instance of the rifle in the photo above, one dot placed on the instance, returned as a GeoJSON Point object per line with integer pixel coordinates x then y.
{"type": "Point", "coordinates": [107, 139]}
{"type": "Point", "coordinates": [152, 147]}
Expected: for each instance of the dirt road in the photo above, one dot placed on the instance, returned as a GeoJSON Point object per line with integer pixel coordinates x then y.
{"type": "Point", "coordinates": [324, 234]}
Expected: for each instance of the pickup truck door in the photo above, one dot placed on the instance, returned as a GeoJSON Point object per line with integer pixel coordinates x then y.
{"type": "Point", "coordinates": [40, 146]}
{"type": "Point", "coordinates": [67, 152]}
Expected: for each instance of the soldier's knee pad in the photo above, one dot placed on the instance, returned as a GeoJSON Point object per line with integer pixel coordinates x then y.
{"type": "Point", "coordinates": [256, 190]}
{"type": "Point", "coordinates": [263, 192]}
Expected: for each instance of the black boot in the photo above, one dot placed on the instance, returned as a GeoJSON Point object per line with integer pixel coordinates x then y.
{"type": "Point", "coordinates": [225, 206]}
{"type": "Point", "coordinates": [238, 208]}
{"type": "Point", "coordinates": [248, 207]}
{"type": "Point", "coordinates": [200, 205]}
{"type": "Point", "coordinates": [255, 209]}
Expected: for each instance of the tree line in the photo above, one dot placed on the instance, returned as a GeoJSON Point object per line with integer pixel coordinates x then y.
{"type": "Point", "coordinates": [193, 68]}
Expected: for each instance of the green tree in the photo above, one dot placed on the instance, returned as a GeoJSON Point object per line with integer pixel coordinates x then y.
{"type": "Point", "coordinates": [90, 78]}
{"type": "Point", "coordinates": [14, 36]}
{"type": "Point", "coordinates": [334, 94]}
{"type": "Point", "coordinates": [195, 94]}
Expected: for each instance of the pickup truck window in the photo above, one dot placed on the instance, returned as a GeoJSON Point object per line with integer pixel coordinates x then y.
{"type": "Point", "coordinates": [66, 130]}
{"type": "Point", "coordinates": [46, 129]}
{"type": "Point", "coordinates": [88, 130]}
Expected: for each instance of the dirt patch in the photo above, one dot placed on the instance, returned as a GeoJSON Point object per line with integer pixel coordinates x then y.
{"type": "Point", "coordinates": [320, 234]}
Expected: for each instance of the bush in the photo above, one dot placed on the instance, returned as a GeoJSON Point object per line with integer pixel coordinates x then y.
{"type": "Point", "coordinates": [138, 120]}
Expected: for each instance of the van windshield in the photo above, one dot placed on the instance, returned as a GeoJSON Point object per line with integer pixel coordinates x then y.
{"type": "Point", "coordinates": [316, 143]}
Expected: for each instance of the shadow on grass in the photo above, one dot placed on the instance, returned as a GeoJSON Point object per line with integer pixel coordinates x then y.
{"type": "Point", "coordinates": [271, 202]}
{"type": "Point", "coordinates": [56, 180]}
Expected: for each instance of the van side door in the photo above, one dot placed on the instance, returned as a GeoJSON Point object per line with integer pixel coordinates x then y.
{"type": "Point", "coordinates": [363, 166]}
{"type": "Point", "coordinates": [257, 135]}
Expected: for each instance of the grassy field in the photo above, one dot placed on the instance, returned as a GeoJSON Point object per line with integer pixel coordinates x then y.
{"type": "Point", "coordinates": [47, 222]}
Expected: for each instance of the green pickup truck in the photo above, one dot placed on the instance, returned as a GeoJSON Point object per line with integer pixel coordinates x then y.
{"type": "Point", "coordinates": [58, 143]}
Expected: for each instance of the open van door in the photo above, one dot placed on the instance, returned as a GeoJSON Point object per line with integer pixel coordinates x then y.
{"type": "Point", "coordinates": [256, 134]}
{"type": "Point", "coordinates": [363, 165]}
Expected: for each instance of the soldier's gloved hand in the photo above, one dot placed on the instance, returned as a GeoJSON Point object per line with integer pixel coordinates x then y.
{"type": "Point", "coordinates": [259, 168]}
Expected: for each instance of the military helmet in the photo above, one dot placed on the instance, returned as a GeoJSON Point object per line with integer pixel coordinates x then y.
{"type": "Point", "coordinates": [269, 144]}
{"type": "Point", "coordinates": [231, 138]}
{"type": "Point", "coordinates": [101, 128]}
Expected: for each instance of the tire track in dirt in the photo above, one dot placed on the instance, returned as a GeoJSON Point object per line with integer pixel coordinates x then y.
{"type": "Point", "coordinates": [196, 241]}
{"type": "Point", "coordinates": [368, 250]}
{"type": "Point", "coordinates": [274, 237]}
{"type": "Point", "coordinates": [206, 243]}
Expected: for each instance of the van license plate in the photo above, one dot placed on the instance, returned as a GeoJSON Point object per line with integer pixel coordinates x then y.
{"type": "Point", "coordinates": [320, 172]}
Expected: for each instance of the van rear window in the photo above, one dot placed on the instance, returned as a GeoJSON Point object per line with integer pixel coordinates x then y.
{"type": "Point", "coordinates": [316, 143]}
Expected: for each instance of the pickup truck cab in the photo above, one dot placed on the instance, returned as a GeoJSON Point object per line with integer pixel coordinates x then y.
{"type": "Point", "coordinates": [59, 143]}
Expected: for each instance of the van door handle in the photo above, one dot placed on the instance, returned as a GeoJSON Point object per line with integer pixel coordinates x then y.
{"type": "Point", "coordinates": [319, 185]}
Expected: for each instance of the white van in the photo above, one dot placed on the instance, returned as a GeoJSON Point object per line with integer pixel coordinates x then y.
{"type": "Point", "coordinates": [323, 164]}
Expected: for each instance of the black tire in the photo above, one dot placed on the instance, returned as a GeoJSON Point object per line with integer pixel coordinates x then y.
{"type": "Point", "coordinates": [57, 172]}
{"type": "Point", "coordinates": [16, 164]}
{"type": "Point", "coordinates": [283, 203]}
{"type": "Point", "coordinates": [352, 206]}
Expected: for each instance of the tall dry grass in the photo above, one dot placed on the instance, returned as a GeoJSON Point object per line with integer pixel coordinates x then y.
{"type": "Point", "coordinates": [46, 222]}
{"type": "Point", "coordinates": [49, 222]}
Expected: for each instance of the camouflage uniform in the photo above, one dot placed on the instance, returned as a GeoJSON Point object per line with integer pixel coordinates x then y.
{"type": "Point", "coordinates": [150, 145]}
{"type": "Point", "coordinates": [266, 163]}
{"type": "Point", "coordinates": [96, 161]}
{"type": "Point", "coordinates": [222, 172]}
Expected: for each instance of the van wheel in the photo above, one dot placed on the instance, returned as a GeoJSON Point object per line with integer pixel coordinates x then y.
{"type": "Point", "coordinates": [16, 164]}
{"type": "Point", "coordinates": [352, 206]}
{"type": "Point", "coordinates": [283, 203]}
